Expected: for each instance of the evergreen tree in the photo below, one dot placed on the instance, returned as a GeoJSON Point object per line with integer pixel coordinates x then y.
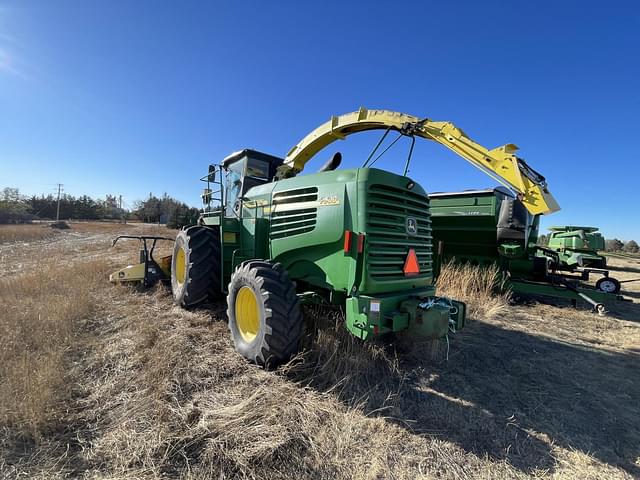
{"type": "Point", "coordinates": [631, 247]}
{"type": "Point", "coordinates": [613, 245]}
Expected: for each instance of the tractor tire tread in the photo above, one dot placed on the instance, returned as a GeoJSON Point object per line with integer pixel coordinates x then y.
{"type": "Point", "coordinates": [283, 314]}
{"type": "Point", "coordinates": [203, 283]}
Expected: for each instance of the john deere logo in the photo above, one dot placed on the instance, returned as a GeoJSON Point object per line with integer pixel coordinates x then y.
{"type": "Point", "coordinates": [412, 226]}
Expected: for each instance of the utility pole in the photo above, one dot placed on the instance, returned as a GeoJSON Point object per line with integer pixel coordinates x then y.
{"type": "Point", "coordinates": [58, 209]}
{"type": "Point", "coordinates": [122, 214]}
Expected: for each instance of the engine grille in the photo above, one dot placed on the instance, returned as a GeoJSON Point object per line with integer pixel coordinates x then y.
{"type": "Point", "coordinates": [388, 242]}
{"type": "Point", "coordinates": [294, 212]}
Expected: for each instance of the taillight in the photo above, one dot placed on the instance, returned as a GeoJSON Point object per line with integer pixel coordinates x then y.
{"type": "Point", "coordinates": [361, 243]}
{"type": "Point", "coordinates": [347, 240]}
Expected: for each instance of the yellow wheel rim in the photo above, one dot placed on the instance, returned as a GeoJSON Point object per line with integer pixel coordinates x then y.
{"type": "Point", "coordinates": [247, 314]}
{"type": "Point", "coordinates": [181, 266]}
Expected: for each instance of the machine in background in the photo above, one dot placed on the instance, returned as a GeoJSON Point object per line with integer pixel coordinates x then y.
{"type": "Point", "coordinates": [493, 227]}
{"type": "Point", "coordinates": [578, 246]}
{"type": "Point", "coordinates": [148, 271]}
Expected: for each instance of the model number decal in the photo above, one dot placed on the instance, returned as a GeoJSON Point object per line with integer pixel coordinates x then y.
{"type": "Point", "coordinates": [332, 200]}
{"type": "Point", "coordinates": [468, 213]}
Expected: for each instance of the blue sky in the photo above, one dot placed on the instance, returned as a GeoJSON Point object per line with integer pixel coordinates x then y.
{"type": "Point", "coordinates": [135, 97]}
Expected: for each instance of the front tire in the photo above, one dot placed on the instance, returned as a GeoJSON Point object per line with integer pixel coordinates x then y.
{"type": "Point", "coordinates": [265, 318]}
{"type": "Point", "coordinates": [195, 266]}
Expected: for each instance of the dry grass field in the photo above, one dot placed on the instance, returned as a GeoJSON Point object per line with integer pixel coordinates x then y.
{"type": "Point", "coordinates": [25, 233]}
{"type": "Point", "coordinates": [110, 382]}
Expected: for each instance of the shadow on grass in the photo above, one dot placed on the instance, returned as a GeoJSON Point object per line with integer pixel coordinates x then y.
{"type": "Point", "coordinates": [622, 310]}
{"type": "Point", "coordinates": [626, 269]}
{"type": "Point", "coordinates": [503, 394]}
{"type": "Point", "coordinates": [631, 294]}
{"type": "Point", "coordinates": [626, 310]}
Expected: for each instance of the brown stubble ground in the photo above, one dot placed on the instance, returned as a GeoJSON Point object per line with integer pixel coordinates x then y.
{"type": "Point", "coordinates": [25, 233]}
{"type": "Point", "coordinates": [626, 270]}
{"type": "Point", "coordinates": [151, 391]}
{"type": "Point", "coordinates": [82, 242]}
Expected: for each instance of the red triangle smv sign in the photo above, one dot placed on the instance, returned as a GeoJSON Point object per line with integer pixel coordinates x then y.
{"type": "Point", "coordinates": [411, 266]}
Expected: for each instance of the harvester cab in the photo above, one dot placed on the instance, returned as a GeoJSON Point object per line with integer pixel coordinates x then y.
{"type": "Point", "coordinates": [238, 173]}
{"type": "Point", "coordinates": [242, 171]}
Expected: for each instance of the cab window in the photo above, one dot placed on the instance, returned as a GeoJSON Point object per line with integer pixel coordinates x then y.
{"type": "Point", "coordinates": [258, 169]}
{"type": "Point", "coordinates": [240, 180]}
{"type": "Point", "coordinates": [233, 188]}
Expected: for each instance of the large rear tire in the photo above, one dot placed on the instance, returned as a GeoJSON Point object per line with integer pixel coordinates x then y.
{"type": "Point", "coordinates": [265, 318]}
{"type": "Point", "coordinates": [195, 266]}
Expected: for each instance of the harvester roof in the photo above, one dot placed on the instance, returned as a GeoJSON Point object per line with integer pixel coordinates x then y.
{"type": "Point", "coordinates": [569, 228]}
{"type": "Point", "coordinates": [229, 159]}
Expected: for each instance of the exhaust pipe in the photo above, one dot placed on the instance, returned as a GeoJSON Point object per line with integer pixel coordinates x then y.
{"type": "Point", "coordinates": [332, 163]}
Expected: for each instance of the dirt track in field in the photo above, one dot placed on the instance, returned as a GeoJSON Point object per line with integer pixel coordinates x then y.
{"type": "Point", "coordinates": [83, 242]}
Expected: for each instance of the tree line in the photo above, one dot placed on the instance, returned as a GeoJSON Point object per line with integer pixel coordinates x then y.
{"type": "Point", "coordinates": [615, 245]}
{"type": "Point", "coordinates": [167, 210]}
{"type": "Point", "coordinates": [18, 208]}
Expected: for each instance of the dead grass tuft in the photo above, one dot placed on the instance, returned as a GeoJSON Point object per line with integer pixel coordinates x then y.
{"type": "Point", "coordinates": [40, 315]}
{"type": "Point", "coordinates": [478, 287]}
{"type": "Point", "coordinates": [61, 225]}
{"type": "Point", "coordinates": [100, 227]}
{"type": "Point", "coordinates": [363, 375]}
{"type": "Point", "coordinates": [24, 233]}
